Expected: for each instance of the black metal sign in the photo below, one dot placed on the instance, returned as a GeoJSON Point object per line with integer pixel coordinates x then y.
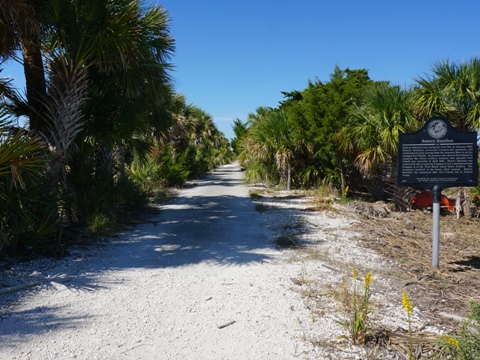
{"type": "Point", "coordinates": [437, 155]}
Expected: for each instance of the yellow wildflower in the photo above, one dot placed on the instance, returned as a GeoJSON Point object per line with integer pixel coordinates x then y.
{"type": "Point", "coordinates": [355, 275]}
{"type": "Point", "coordinates": [368, 279]}
{"type": "Point", "coordinates": [452, 341]}
{"type": "Point", "coordinates": [406, 303]}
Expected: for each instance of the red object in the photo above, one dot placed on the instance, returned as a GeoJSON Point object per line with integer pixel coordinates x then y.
{"type": "Point", "coordinates": [425, 200]}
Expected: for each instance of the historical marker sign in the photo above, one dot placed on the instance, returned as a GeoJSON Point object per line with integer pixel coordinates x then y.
{"type": "Point", "coordinates": [437, 155]}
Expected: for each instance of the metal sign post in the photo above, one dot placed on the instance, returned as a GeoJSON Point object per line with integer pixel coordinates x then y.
{"type": "Point", "coordinates": [437, 157]}
{"type": "Point", "coordinates": [437, 194]}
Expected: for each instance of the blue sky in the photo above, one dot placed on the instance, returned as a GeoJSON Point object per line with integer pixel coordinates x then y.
{"type": "Point", "coordinates": [233, 56]}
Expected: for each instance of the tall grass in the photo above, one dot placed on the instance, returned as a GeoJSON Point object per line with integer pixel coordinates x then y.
{"type": "Point", "coordinates": [358, 323]}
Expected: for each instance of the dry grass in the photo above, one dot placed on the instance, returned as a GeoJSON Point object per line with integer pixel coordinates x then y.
{"type": "Point", "coordinates": [456, 282]}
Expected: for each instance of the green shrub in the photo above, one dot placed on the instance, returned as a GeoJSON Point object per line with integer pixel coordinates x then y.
{"type": "Point", "coordinates": [101, 191]}
{"type": "Point", "coordinates": [257, 171]}
{"type": "Point", "coordinates": [175, 175]}
{"type": "Point", "coordinates": [145, 174]}
{"type": "Point", "coordinates": [174, 171]}
{"type": "Point", "coordinates": [308, 177]}
{"type": "Point", "coordinates": [100, 224]}
{"type": "Point", "coordinates": [465, 344]}
{"type": "Point", "coordinates": [28, 209]}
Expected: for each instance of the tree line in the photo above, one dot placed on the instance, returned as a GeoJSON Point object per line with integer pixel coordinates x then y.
{"type": "Point", "coordinates": [105, 128]}
{"type": "Point", "coordinates": [344, 132]}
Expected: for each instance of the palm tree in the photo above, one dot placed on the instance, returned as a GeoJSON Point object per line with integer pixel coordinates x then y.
{"type": "Point", "coordinates": [239, 129]}
{"type": "Point", "coordinates": [211, 146]}
{"type": "Point", "coordinates": [191, 146]}
{"type": "Point", "coordinates": [373, 129]}
{"type": "Point", "coordinates": [21, 29]}
{"type": "Point", "coordinates": [128, 46]}
{"type": "Point", "coordinates": [106, 88]}
{"type": "Point", "coordinates": [116, 47]}
{"type": "Point", "coordinates": [67, 89]}
{"type": "Point", "coordinates": [452, 91]}
{"type": "Point", "coordinates": [124, 50]}
{"type": "Point", "coordinates": [271, 137]}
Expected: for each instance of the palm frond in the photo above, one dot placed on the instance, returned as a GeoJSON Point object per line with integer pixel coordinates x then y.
{"type": "Point", "coordinates": [374, 126]}
{"type": "Point", "coordinates": [67, 93]}
{"type": "Point", "coordinates": [452, 91]}
{"type": "Point", "coordinates": [19, 152]}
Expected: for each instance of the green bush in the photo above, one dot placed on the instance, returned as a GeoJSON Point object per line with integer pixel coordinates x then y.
{"type": "Point", "coordinates": [96, 191]}
{"type": "Point", "coordinates": [28, 213]}
{"type": "Point", "coordinates": [100, 223]}
{"type": "Point", "coordinates": [175, 175]}
{"type": "Point", "coordinates": [174, 171]}
{"type": "Point", "coordinates": [28, 216]}
{"type": "Point", "coordinates": [257, 171]}
{"type": "Point", "coordinates": [145, 174]}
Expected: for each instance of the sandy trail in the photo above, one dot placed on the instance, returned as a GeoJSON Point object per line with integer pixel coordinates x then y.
{"type": "Point", "coordinates": [204, 282]}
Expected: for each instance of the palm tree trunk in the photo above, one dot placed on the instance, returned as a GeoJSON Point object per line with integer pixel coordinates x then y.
{"type": "Point", "coordinates": [119, 160]}
{"type": "Point", "coordinates": [342, 179]}
{"type": "Point", "coordinates": [34, 79]}
{"type": "Point", "coordinates": [289, 176]}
